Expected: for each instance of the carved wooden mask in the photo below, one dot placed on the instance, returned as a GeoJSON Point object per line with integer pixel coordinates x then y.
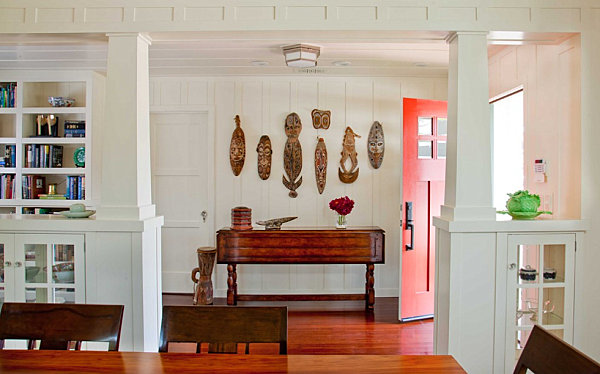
{"type": "Point", "coordinates": [237, 148]}
{"type": "Point", "coordinates": [321, 118]}
{"type": "Point", "coordinates": [264, 157]}
{"type": "Point", "coordinates": [349, 153]}
{"type": "Point", "coordinates": [292, 154]}
{"type": "Point", "coordinates": [376, 145]}
{"type": "Point", "coordinates": [321, 165]}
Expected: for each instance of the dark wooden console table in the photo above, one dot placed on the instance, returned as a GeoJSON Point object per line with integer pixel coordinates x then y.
{"type": "Point", "coordinates": [319, 245]}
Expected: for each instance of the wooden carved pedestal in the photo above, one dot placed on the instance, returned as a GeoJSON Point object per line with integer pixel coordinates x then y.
{"type": "Point", "coordinates": [203, 286]}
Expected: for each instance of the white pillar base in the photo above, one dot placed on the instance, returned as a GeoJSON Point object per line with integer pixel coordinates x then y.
{"type": "Point", "coordinates": [126, 212]}
{"type": "Point", "coordinates": [468, 213]}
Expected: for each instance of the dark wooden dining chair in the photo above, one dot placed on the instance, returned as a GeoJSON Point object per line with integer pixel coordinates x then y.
{"type": "Point", "coordinates": [544, 353]}
{"type": "Point", "coordinates": [57, 325]}
{"type": "Point", "coordinates": [223, 327]}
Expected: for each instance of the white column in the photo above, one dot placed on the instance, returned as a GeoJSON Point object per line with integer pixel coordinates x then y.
{"type": "Point", "coordinates": [469, 160]}
{"type": "Point", "coordinates": [587, 327]}
{"type": "Point", "coordinates": [126, 175]}
{"type": "Point", "coordinates": [466, 260]}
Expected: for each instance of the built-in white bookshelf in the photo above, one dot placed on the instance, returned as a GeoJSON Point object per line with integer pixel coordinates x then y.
{"type": "Point", "coordinates": [19, 128]}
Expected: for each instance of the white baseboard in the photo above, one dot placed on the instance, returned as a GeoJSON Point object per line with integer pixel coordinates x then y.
{"type": "Point", "coordinates": [180, 282]}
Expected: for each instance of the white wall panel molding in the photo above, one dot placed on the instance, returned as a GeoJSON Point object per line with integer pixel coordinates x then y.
{"type": "Point", "coordinates": [187, 15]}
{"type": "Point", "coordinates": [263, 103]}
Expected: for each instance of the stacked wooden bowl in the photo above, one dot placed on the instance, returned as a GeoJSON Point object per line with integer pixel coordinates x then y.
{"type": "Point", "coordinates": [241, 218]}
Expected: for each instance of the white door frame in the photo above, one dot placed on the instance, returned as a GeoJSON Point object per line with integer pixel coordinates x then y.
{"type": "Point", "coordinates": [210, 111]}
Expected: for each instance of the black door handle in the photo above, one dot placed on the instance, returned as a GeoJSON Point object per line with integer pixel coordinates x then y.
{"type": "Point", "coordinates": [409, 225]}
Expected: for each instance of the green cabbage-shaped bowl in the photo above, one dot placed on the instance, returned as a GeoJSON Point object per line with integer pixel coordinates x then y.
{"type": "Point", "coordinates": [523, 205]}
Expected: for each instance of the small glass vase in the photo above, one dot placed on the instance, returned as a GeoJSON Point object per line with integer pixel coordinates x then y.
{"type": "Point", "coordinates": [341, 222]}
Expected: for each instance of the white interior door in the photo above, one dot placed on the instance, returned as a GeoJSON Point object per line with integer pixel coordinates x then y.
{"type": "Point", "coordinates": [182, 187]}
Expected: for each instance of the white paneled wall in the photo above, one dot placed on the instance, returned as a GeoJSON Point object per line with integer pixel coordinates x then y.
{"type": "Point", "coordinates": [550, 76]}
{"type": "Point", "coordinates": [263, 104]}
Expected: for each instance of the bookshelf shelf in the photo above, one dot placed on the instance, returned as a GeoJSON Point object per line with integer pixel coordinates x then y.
{"type": "Point", "coordinates": [48, 203]}
{"type": "Point", "coordinates": [54, 110]}
{"type": "Point", "coordinates": [8, 140]}
{"type": "Point", "coordinates": [54, 171]}
{"type": "Point", "coordinates": [52, 141]}
{"type": "Point", "coordinates": [20, 126]}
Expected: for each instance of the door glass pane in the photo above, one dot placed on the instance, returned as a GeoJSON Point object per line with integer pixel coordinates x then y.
{"type": "Point", "coordinates": [554, 306]}
{"type": "Point", "coordinates": [522, 337]}
{"type": "Point", "coordinates": [529, 261]}
{"type": "Point", "coordinates": [425, 149]}
{"type": "Point", "coordinates": [35, 263]}
{"type": "Point", "coordinates": [425, 126]}
{"type": "Point", "coordinates": [63, 268]}
{"type": "Point", "coordinates": [64, 295]}
{"type": "Point", "coordinates": [558, 333]}
{"type": "Point", "coordinates": [441, 149]}
{"type": "Point", "coordinates": [554, 263]}
{"type": "Point", "coordinates": [442, 126]}
{"type": "Point", "coordinates": [1, 296]}
{"type": "Point", "coordinates": [527, 307]}
{"type": "Point", "coordinates": [36, 295]}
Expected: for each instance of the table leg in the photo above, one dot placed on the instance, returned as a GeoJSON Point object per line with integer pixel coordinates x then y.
{"type": "Point", "coordinates": [231, 284]}
{"type": "Point", "coordinates": [369, 290]}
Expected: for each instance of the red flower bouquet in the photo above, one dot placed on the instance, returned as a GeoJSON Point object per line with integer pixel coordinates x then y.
{"type": "Point", "coordinates": [342, 205]}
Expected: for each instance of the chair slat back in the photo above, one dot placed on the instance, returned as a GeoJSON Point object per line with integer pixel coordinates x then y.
{"type": "Point", "coordinates": [224, 326]}
{"type": "Point", "coordinates": [58, 324]}
{"type": "Point", "coordinates": [547, 354]}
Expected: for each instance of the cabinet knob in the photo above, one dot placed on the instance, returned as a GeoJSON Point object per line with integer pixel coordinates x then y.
{"type": "Point", "coordinates": [512, 266]}
{"type": "Point", "coordinates": [7, 263]}
{"type": "Point", "coordinates": [18, 264]}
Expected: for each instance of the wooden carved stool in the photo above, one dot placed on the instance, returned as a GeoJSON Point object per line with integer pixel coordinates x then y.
{"type": "Point", "coordinates": [203, 287]}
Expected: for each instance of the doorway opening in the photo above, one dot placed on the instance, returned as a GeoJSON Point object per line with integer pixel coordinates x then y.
{"type": "Point", "coordinates": [508, 146]}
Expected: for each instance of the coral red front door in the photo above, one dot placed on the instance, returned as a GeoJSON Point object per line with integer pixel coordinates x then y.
{"type": "Point", "coordinates": [425, 133]}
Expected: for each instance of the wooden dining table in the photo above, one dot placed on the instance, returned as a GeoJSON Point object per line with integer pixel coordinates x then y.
{"type": "Point", "coordinates": [17, 361]}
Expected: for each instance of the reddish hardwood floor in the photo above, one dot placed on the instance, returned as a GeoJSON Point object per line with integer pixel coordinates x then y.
{"type": "Point", "coordinates": [343, 327]}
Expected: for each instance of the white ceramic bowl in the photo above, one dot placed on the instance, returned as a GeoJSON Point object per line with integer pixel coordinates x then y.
{"type": "Point", "coordinates": [59, 101]}
{"type": "Point", "coordinates": [64, 276]}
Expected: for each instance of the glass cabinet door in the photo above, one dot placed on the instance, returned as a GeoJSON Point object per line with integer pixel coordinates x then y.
{"type": "Point", "coordinates": [6, 254]}
{"type": "Point", "coordinates": [540, 287]}
{"type": "Point", "coordinates": [49, 268]}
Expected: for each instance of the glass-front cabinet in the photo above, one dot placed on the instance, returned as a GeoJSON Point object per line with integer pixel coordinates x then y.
{"type": "Point", "coordinates": [40, 268]}
{"type": "Point", "coordinates": [540, 288]}
{"type": "Point", "coordinates": [7, 243]}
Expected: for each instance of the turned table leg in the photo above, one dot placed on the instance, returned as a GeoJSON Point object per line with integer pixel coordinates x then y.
{"type": "Point", "coordinates": [231, 284]}
{"type": "Point", "coordinates": [369, 290]}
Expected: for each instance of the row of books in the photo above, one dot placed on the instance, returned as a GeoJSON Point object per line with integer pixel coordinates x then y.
{"type": "Point", "coordinates": [33, 186]}
{"type": "Point", "coordinates": [75, 187]}
{"type": "Point", "coordinates": [31, 210]}
{"type": "Point", "coordinates": [9, 160]}
{"type": "Point", "coordinates": [7, 186]}
{"type": "Point", "coordinates": [43, 156]}
{"type": "Point", "coordinates": [74, 129]}
{"type": "Point", "coordinates": [8, 94]}
{"type": "Point", "coordinates": [64, 252]}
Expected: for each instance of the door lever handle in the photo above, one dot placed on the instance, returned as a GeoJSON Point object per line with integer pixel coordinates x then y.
{"type": "Point", "coordinates": [409, 226]}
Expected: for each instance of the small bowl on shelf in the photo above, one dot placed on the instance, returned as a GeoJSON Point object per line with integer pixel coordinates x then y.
{"type": "Point", "coordinates": [550, 273]}
{"type": "Point", "coordinates": [31, 272]}
{"type": "Point", "coordinates": [63, 273]}
{"type": "Point", "coordinates": [527, 273]}
{"type": "Point", "coordinates": [60, 102]}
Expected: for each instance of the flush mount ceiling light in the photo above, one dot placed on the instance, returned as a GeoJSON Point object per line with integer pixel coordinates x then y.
{"type": "Point", "coordinates": [301, 55]}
